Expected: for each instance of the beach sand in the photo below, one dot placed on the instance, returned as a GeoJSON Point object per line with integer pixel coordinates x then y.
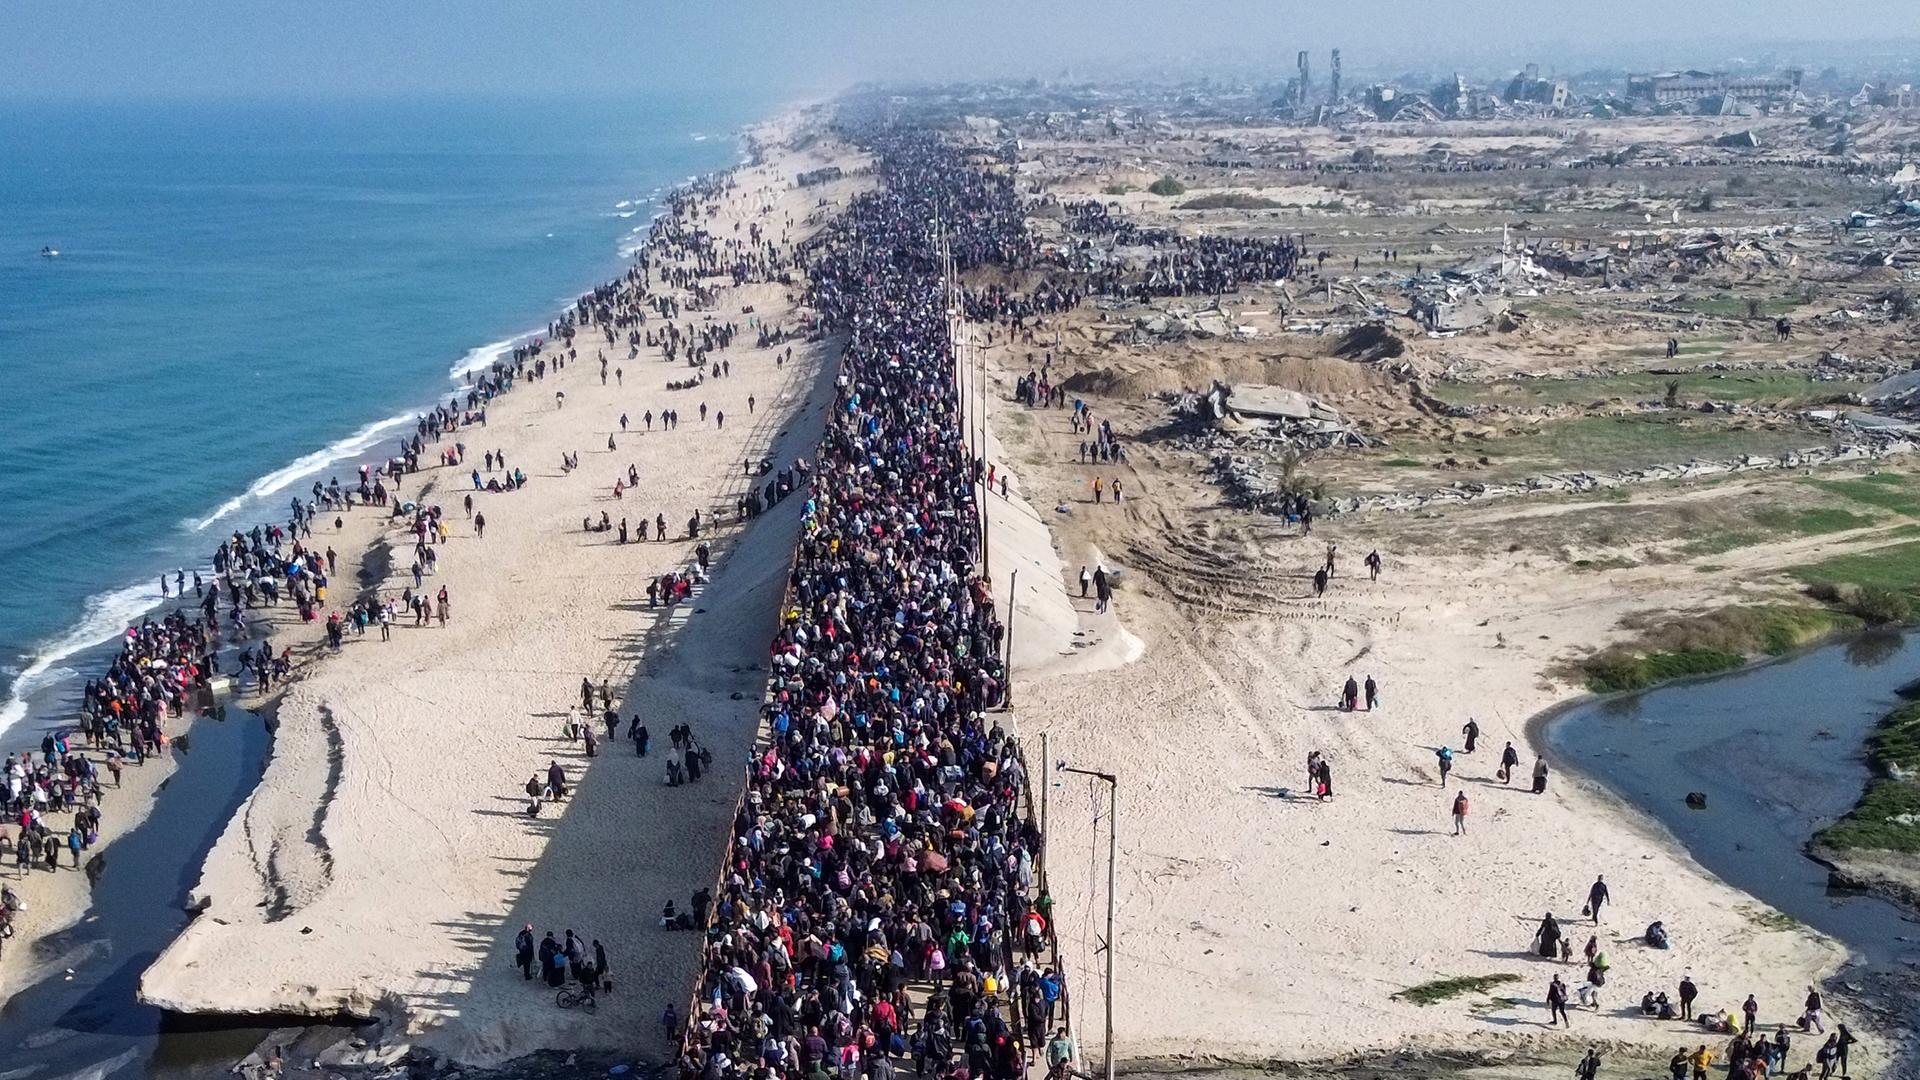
{"type": "Point", "coordinates": [1257, 924]}
{"type": "Point", "coordinates": [385, 864]}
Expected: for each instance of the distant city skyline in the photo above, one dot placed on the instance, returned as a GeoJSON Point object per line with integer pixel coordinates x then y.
{"type": "Point", "coordinates": [122, 49]}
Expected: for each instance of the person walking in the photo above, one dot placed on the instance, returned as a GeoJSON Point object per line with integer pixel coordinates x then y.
{"type": "Point", "coordinates": [1086, 579]}
{"type": "Point", "coordinates": [1373, 693]}
{"type": "Point", "coordinates": [1688, 992]}
{"type": "Point", "coordinates": [1845, 1043]}
{"type": "Point", "coordinates": [1815, 1005]}
{"type": "Point", "coordinates": [1445, 755]}
{"type": "Point", "coordinates": [1589, 1066]}
{"type": "Point", "coordinates": [1557, 1003]}
{"type": "Point", "coordinates": [1472, 733]}
{"type": "Point", "coordinates": [1460, 813]}
{"type": "Point", "coordinates": [1597, 896]}
{"type": "Point", "coordinates": [1509, 758]}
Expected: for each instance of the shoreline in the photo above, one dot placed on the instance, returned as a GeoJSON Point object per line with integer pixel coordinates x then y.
{"type": "Point", "coordinates": [22, 969]}
{"type": "Point", "coordinates": [263, 853]}
{"type": "Point", "coordinates": [106, 613]}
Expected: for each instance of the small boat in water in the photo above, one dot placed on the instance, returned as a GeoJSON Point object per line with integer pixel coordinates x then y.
{"type": "Point", "coordinates": [49, 253]}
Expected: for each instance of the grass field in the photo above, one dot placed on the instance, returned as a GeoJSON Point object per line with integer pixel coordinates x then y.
{"type": "Point", "coordinates": [1608, 443]}
{"type": "Point", "coordinates": [1746, 387]}
{"type": "Point", "coordinates": [1895, 568]}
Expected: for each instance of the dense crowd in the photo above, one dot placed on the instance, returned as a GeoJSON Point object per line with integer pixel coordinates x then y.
{"type": "Point", "coordinates": [879, 900]}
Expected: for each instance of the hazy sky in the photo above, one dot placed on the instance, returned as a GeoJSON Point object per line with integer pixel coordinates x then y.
{"type": "Point", "coordinates": [121, 48]}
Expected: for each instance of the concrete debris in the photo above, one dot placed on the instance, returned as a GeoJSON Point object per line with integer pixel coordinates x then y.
{"type": "Point", "coordinates": [1264, 417]}
{"type": "Point", "coordinates": [1177, 323]}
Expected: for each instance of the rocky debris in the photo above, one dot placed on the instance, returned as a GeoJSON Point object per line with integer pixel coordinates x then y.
{"type": "Point", "coordinates": [1875, 446]}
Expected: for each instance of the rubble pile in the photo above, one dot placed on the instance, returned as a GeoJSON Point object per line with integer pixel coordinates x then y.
{"type": "Point", "coordinates": [1262, 418]}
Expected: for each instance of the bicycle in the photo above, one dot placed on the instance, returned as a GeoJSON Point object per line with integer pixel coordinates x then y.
{"type": "Point", "coordinates": [582, 996]}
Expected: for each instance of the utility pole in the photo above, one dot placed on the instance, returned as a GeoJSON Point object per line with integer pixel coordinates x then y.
{"type": "Point", "coordinates": [1113, 862]}
{"type": "Point", "coordinates": [1046, 777]}
{"type": "Point", "coordinates": [1006, 659]}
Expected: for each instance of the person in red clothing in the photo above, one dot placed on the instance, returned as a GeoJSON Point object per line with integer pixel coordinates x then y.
{"type": "Point", "coordinates": [1460, 813]}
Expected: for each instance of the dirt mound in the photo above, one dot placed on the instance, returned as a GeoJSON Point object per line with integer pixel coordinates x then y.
{"type": "Point", "coordinates": [1371, 341]}
{"type": "Point", "coordinates": [1318, 376]}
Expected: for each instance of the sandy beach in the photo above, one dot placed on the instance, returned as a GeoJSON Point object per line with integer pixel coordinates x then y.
{"type": "Point", "coordinates": [385, 862]}
{"type": "Point", "coordinates": [1256, 923]}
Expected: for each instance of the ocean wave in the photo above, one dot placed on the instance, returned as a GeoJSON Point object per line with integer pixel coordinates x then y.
{"type": "Point", "coordinates": [626, 213]}
{"type": "Point", "coordinates": [280, 479]}
{"type": "Point", "coordinates": [481, 358]}
{"type": "Point", "coordinates": [623, 204]}
{"type": "Point", "coordinates": [105, 616]}
{"type": "Point", "coordinates": [698, 137]}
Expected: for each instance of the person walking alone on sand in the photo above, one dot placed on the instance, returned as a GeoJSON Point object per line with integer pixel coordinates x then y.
{"type": "Point", "coordinates": [1597, 896]}
{"type": "Point", "coordinates": [1460, 813]}
{"type": "Point", "coordinates": [1445, 756]}
{"type": "Point", "coordinates": [1509, 758]}
{"type": "Point", "coordinates": [1472, 733]}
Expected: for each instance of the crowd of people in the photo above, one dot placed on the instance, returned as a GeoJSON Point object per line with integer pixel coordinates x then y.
{"type": "Point", "coordinates": [880, 901]}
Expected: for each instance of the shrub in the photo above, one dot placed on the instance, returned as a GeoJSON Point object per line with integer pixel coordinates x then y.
{"type": "Point", "coordinates": [1167, 187]}
{"type": "Point", "coordinates": [1880, 606]}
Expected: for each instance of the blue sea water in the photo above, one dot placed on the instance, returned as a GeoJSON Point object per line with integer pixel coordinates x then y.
{"type": "Point", "coordinates": [250, 295]}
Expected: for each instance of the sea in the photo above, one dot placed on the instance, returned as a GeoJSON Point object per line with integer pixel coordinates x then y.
{"type": "Point", "coordinates": [251, 295]}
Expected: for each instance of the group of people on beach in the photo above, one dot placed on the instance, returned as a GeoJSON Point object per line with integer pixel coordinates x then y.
{"type": "Point", "coordinates": [1750, 1053]}
{"type": "Point", "coordinates": [880, 901]}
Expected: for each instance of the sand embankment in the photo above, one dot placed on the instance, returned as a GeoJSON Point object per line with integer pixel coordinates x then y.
{"type": "Point", "coordinates": [385, 857]}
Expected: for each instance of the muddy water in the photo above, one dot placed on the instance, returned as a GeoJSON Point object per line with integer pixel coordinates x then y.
{"type": "Point", "coordinates": [89, 1023]}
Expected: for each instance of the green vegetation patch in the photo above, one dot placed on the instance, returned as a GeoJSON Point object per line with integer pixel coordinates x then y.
{"type": "Point", "coordinates": [1403, 463]}
{"type": "Point", "coordinates": [1605, 443]}
{"type": "Point", "coordinates": [1167, 186]}
{"type": "Point", "coordinates": [1439, 990]}
{"type": "Point", "coordinates": [1761, 385]}
{"type": "Point", "coordinates": [1678, 648]}
{"type": "Point", "coordinates": [1610, 673]}
{"type": "Point", "coordinates": [1767, 918]}
{"type": "Point", "coordinates": [1895, 568]}
{"type": "Point", "coordinates": [1887, 818]}
{"type": "Point", "coordinates": [1887, 491]}
{"type": "Point", "coordinates": [1813, 522]}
